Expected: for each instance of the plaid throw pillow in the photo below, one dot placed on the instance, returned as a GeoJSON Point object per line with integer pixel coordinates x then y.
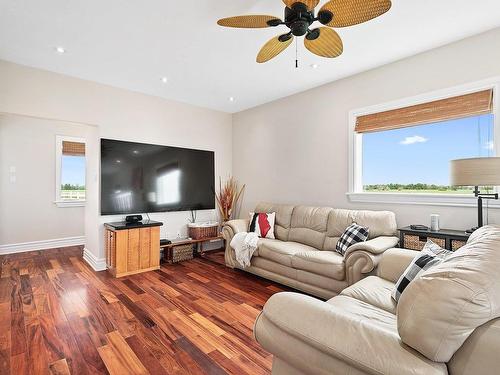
{"type": "Point", "coordinates": [430, 255]}
{"type": "Point", "coordinates": [352, 235]}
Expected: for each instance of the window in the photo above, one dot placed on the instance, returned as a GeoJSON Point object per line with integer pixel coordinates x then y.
{"type": "Point", "coordinates": [406, 152]}
{"type": "Point", "coordinates": [70, 171]}
{"type": "Point", "coordinates": [417, 159]}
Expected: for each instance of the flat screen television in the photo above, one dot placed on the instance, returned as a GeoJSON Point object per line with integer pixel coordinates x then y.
{"type": "Point", "coordinates": [140, 178]}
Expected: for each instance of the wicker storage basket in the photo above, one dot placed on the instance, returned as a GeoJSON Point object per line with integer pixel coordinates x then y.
{"type": "Point", "coordinates": [182, 252]}
{"type": "Point", "coordinates": [457, 244]}
{"type": "Point", "coordinates": [198, 231]}
{"type": "Point", "coordinates": [413, 242]}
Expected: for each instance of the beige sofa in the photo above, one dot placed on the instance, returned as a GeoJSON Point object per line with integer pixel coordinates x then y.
{"type": "Point", "coordinates": [446, 321]}
{"type": "Point", "coordinates": [303, 254]}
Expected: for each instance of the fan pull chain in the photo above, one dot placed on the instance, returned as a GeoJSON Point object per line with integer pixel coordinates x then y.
{"type": "Point", "coordinates": [296, 54]}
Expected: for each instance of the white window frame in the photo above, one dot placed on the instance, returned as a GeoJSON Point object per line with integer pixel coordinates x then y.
{"type": "Point", "coordinates": [356, 193]}
{"type": "Point", "coordinates": [59, 144]}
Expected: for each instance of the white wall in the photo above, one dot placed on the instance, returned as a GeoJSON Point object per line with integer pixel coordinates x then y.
{"type": "Point", "coordinates": [27, 181]}
{"type": "Point", "coordinates": [117, 114]}
{"type": "Point", "coordinates": [295, 150]}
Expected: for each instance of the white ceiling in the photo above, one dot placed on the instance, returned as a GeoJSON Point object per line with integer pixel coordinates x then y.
{"type": "Point", "coordinates": [133, 44]}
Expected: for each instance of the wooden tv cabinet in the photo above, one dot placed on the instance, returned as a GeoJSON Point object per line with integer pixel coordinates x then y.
{"type": "Point", "coordinates": [132, 248]}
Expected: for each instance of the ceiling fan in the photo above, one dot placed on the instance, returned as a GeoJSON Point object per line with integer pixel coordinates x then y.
{"type": "Point", "coordinates": [299, 16]}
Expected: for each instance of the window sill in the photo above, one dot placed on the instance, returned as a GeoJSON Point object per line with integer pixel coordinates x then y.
{"type": "Point", "coordinates": [450, 200]}
{"type": "Point", "coordinates": [63, 204]}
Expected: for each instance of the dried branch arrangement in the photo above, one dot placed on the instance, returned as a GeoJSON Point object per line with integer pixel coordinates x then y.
{"type": "Point", "coordinates": [227, 197]}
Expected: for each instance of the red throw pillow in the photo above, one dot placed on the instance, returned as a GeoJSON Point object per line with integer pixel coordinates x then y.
{"type": "Point", "coordinates": [262, 224]}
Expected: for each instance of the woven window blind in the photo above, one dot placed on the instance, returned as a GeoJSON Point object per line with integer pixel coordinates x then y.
{"type": "Point", "coordinates": [73, 148]}
{"type": "Point", "coordinates": [474, 104]}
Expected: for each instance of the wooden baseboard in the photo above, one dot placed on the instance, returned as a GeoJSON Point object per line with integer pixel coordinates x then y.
{"type": "Point", "coordinates": [41, 245]}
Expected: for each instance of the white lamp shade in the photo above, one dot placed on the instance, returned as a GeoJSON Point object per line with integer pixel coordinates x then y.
{"type": "Point", "coordinates": [475, 172]}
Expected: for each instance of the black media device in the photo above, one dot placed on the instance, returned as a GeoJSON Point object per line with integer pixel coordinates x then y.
{"type": "Point", "coordinates": [138, 177]}
{"type": "Point", "coordinates": [419, 227]}
{"type": "Point", "coordinates": [133, 218]}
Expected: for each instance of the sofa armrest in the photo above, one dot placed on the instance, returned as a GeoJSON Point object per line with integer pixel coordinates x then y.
{"type": "Point", "coordinates": [359, 264]}
{"type": "Point", "coordinates": [229, 229]}
{"type": "Point", "coordinates": [317, 337]}
{"type": "Point", "coordinates": [374, 246]}
{"type": "Point", "coordinates": [394, 262]}
{"type": "Point", "coordinates": [362, 258]}
{"type": "Point", "coordinates": [237, 225]}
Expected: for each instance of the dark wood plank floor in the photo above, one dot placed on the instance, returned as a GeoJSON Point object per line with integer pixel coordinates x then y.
{"type": "Point", "coordinates": [57, 316]}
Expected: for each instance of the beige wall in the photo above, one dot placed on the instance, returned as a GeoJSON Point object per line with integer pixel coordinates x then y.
{"type": "Point", "coordinates": [28, 212]}
{"type": "Point", "coordinates": [117, 114]}
{"type": "Point", "coordinates": [296, 149]}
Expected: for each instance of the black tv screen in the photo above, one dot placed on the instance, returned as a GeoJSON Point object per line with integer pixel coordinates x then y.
{"type": "Point", "coordinates": [140, 178]}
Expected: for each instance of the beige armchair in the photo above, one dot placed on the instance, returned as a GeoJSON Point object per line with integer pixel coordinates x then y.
{"type": "Point", "coordinates": [446, 322]}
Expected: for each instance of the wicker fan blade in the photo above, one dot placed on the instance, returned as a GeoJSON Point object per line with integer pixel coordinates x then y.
{"type": "Point", "coordinates": [310, 4]}
{"type": "Point", "coordinates": [274, 47]}
{"type": "Point", "coordinates": [352, 12]}
{"type": "Point", "coordinates": [249, 22]}
{"type": "Point", "coordinates": [324, 42]}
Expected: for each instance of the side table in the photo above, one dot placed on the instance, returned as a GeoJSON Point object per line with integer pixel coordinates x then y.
{"type": "Point", "coordinates": [446, 238]}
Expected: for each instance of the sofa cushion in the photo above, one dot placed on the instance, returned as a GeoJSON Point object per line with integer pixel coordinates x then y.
{"type": "Point", "coordinates": [441, 308]}
{"type": "Point", "coordinates": [380, 223]}
{"type": "Point", "coordinates": [373, 290]}
{"type": "Point", "coordinates": [354, 331]}
{"type": "Point", "coordinates": [325, 263]}
{"type": "Point", "coordinates": [281, 252]}
{"type": "Point", "coordinates": [261, 243]}
{"type": "Point", "coordinates": [308, 225]}
{"type": "Point", "coordinates": [283, 218]}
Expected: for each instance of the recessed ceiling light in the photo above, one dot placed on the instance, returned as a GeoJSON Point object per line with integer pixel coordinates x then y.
{"type": "Point", "coordinates": [135, 152]}
{"type": "Point", "coordinates": [164, 79]}
{"type": "Point", "coordinates": [60, 50]}
{"type": "Point", "coordinates": [231, 99]}
{"type": "Point", "coordinates": [118, 161]}
{"type": "Point", "coordinates": [314, 66]}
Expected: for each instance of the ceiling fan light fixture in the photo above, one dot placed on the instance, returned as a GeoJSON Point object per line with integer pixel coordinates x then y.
{"type": "Point", "coordinates": [283, 38]}
{"type": "Point", "coordinates": [274, 22]}
{"type": "Point", "coordinates": [299, 17]}
{"type": "Point", "coordinates": [313, 34]}
{"type": "Point", "coordinates": [325, 17]}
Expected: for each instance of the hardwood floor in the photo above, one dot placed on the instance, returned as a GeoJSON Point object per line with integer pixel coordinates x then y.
{"type": "Point", "coordinates": [57, 316]}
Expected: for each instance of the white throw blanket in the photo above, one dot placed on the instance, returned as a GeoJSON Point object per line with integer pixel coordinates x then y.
{"type": "Point", "coordinates": [244, 245]}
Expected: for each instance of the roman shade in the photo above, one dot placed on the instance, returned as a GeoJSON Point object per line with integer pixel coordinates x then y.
{"type": "Point", "coordinates": [73, 148]}
{"type": "Point", "coordinates": [473, 104]}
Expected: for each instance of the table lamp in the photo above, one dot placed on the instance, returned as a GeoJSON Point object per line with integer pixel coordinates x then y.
{"type": "Point", "coordinates": [476, 172]}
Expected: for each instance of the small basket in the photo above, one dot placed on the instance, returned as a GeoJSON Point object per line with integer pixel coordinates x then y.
{"type": "Point", "coordinates": [198, 231]}
{"type": "Point", "coordinates": [457, 244]}
{"type": "Point", "coordinates": [182, 252]}
{"type": "Point", "coordinates": [414, 242]}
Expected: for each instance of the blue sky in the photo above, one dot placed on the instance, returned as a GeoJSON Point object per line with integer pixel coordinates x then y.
{"type": "Point", "coordinates": [73, 170]}
{"type": "Point", "coordinates": [422, 153]}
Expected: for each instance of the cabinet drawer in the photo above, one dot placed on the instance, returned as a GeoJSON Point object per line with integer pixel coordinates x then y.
{"type": "Point", "coordinates": [415, 242]}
